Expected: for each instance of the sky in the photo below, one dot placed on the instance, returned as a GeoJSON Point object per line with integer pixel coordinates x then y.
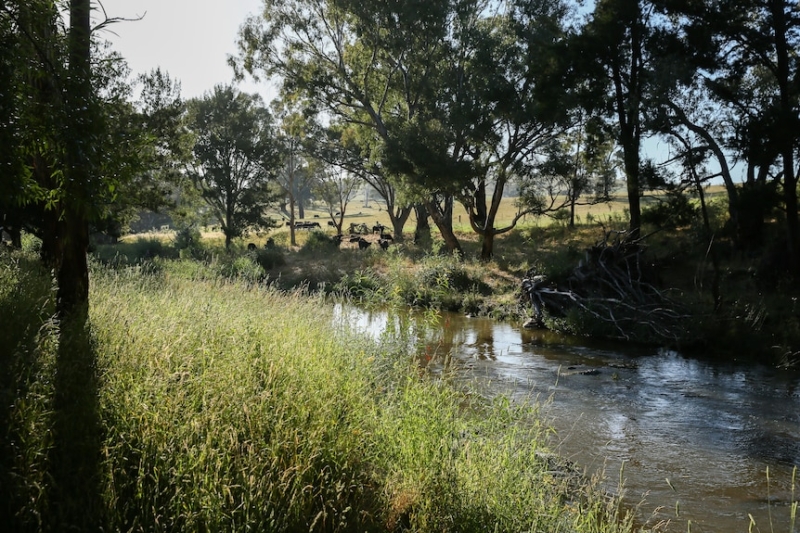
{"type": "Point", "coordinates": [190, 39]}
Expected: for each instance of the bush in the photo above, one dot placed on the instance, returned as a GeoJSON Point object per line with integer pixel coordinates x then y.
{"type": "Point", "coordinates": [677, 210]}
{"type": "Point", "coordinates": [318, 241]}
{"type": "Point", "coordinates": [146, 248]}
{"type": "Point", "coordinates": [243, 267]}
{"type": "Point", "coordinates": [188, 237]}
{"type": "Point", "coordinates": [360, 285]}
{"type": "Point", "coordinates": [268, 258]}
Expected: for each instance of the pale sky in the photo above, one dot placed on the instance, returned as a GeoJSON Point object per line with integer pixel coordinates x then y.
{"type": "Point", "coordinates": [190, 39]}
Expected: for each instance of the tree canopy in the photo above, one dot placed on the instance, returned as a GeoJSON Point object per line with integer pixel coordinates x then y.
{"type": "Point", "coordinates": [235, 158]}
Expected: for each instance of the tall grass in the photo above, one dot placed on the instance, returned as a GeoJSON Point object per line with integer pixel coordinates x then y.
{"type": "Point", "coordinates": [227, 406]}
{"type": "Point", "coordinates": [28, 344]}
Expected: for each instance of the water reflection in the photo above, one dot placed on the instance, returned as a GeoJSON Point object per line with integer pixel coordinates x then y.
{"type": "Point", "coordinates": [692, 435]}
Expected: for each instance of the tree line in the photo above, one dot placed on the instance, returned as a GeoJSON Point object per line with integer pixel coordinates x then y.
{"type": "Point", "coordinates": [432, 103]}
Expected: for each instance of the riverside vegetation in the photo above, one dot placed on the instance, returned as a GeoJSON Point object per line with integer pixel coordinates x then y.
{"type": "Point", "coordinates": [202, 402]}
{"type": "Point", "coordinates": [736, 304]}
{"type": "Point", "coordinates": [212, 391]}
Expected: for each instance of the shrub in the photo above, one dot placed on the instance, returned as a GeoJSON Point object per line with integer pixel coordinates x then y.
{"type": "Point", "coordinates": [677, 210]}
{"type": "Point", "coordinates": [243, 267]}
{"type": "Point", "coordinates": [269, 258]}
{"type": "Point", "coordinates": [146, 248]}
{"type": "Point", "coordinates": [187, 237]}
{"type": "Point", "coordinates": [360, 285]}
{"type": "Point", "coordinates": [318, 241]}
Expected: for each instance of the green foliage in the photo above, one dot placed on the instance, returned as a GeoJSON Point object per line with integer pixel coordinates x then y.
{"type": "Point", "coordinates": [675, 210]}
{"type": "Point", "coordinates": [187, 237]}
{"type": "Point", "coordinates": [361, 285]}
{"type": "Point", "coordinates": [236, 154]}
{"type": "Point", "coordinates": [319, 242]}
{"type": "Point", "coordinates": [241, 267]}
{"type": "Point", "coordinates": [269, 258]}
{"type": "Point", "coordinates": [425, 96]}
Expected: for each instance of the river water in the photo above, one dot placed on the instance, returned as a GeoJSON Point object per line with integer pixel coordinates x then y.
{"type": "Point", "coordinates": [704, 445]}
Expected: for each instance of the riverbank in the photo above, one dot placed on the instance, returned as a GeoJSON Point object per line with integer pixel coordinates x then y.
{"type": "Point", "coordinates": [734, 305]}
{"type": "Point", "coordinates": [196, 402]}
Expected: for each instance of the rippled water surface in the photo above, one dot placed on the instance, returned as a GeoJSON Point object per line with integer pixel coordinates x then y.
{"type": "Point", "coordinates": [693, 440]}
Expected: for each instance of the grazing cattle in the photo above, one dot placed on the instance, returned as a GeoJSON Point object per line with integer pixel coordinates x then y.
{"type": "Point", "coordinates": [363, 244]}
{"type": "Point", "coordinates": [378, 228]}
{"type": "Point", "coordinates": [307, 225]}
{"type": "Point", "coordinates": [354, 238]}
{"type": "Point", "coordinates": [251, 246]}
{"type": "Point", "coordinates": [387, 237]}
{"type": "Point", "coordinates": [270, 244]}
{"type": "Point", "coordinates": [384, 244]}
{"type": "Point", "coordinates": [331, 223]}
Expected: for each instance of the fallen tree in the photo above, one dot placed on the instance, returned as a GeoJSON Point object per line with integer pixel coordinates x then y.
{"type": "Point", "coordinates": [614, 290]}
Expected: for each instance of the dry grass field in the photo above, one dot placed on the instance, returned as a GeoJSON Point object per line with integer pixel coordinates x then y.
{"type": "Point", "coordinates": [612, 214]}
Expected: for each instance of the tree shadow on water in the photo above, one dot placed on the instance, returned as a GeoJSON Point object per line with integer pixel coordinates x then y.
{"type": "Point", "coordinates": [75, 458]}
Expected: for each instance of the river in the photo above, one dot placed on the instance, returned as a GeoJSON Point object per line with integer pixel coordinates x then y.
{"type": "Point", "coordinates": [704, 445]}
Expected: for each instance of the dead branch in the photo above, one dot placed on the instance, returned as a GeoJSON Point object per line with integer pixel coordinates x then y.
{"type": "Point", "coordinates": [616, 286]}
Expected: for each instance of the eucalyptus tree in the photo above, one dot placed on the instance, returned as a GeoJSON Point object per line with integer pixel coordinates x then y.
{"type": "Point", "coordinates": [505, 108]}
{"type": "Point", "coordinates": [11, 158]}
{"type": "Point", "coordinates": [76, 142]}
{"type": "Point", "coordinates": [296, 177]}
{"type": "Point", "coordinates": [236, 157]}
{"type": "Point", "coordinates": [751, 67]}
{"type": "Point", "coordinates": [579, 167]}
{"type": "Point", "coordinates": [336, 187]}
{"type": "Point", "coordinates": [446, 96]}
{"type": "Point", "coordinates": [353, 148]}
{"type": "Point", "coordinates": [375, 65]}
{"type": "Point", "coordinates": [54, 126]}
{"type": "Point", "coordinates": [699, 132]}
{"type": "Point", "coordinates": [614, 55]}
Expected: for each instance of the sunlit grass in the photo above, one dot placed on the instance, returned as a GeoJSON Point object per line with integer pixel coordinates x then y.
{"type": "Point", "coordinates": [229, 406]}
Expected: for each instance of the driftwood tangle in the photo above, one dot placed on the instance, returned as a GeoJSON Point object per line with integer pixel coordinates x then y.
{"type": "Point", "coordinates": [615, 286]}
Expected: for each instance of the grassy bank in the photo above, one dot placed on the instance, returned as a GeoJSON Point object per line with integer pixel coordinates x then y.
{"type": "Point", "coordinates": [735, 305]}
{"type": "Point", "coordinates": [195, 403]}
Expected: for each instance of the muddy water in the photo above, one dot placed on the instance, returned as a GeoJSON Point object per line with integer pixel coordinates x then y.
{"type": "Point", "coordinates": [693, 440]}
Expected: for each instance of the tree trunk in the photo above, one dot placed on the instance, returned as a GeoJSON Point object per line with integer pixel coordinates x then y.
{"type": "Point", "coordinates": [443, 218]}
{"type": "Point", "coordinates": [487, 245]}
{"type": "Point", "coordinates": [73, 271]}
{"type": "Point", "coordinates": [572, 201]}
{"type": "Point", "coordinates": [398, 220]}
{"type": "Point", "coordinates": [422, 233]}
{"type": "Point", "coordinates": [787, 128]}
{"type": "Point", "coordinates": [627, 102]}
{"type": "Point", "coordinates": [292, 237]}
